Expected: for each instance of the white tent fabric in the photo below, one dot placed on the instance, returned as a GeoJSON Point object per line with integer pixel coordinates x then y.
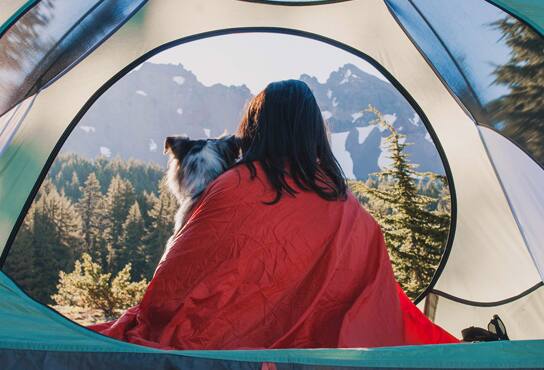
{"type": "Point", "coordinates": [523, 182]}
{"type": "Point", "coordinates": [489, 260]}
{"type": "Point", "coordinates": [8, 8]}
{"type": "Point", "coordinates": [12, 120]}
{"type": "Point", "coordinates": [522, 317]}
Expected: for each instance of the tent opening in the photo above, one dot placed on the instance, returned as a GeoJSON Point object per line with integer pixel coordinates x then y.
{"type": "Point", "coordinates": [99, 223]}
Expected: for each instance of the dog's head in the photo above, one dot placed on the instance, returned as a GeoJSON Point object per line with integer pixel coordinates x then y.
{"type": "Point", "coordinates": [193, 164]}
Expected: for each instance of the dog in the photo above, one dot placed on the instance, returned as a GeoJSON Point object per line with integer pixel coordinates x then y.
{"type": "Point", "coordinates": [193, 165]}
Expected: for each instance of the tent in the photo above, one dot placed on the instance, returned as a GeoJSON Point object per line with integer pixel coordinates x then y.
{"type": "Point", "coordinates": [57, 57]}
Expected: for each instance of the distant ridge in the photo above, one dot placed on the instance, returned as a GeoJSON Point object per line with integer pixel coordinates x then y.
{"type": "Point", "coordinates": [133, 117]}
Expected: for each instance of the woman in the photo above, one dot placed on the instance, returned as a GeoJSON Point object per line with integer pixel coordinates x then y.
{"type": "Point", "coordinates": [277, 253]}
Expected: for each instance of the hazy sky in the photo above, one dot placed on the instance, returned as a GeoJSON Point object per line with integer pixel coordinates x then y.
{"type": "Point", "coordinates": [258, 58]}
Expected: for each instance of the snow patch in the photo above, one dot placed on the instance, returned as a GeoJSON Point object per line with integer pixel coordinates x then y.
{"type": "Point", "coordinates": [105, 151]}
{"type": "Point", "coordinates": [334, 102]}
{"type": "Point", "coordinates": [141, 92]}
{"type": "Point", "coordinates": [347, 74]}
{"type": "Point", "coordinates": [356, 116]}
{"type": "Point", "coordinates": [207, 132]}
{"type": "Point", "coordinates": [364, 132]}
{"type": "Point", "coordinates": [178, 79]}
{"type": "Point", "coordinates": [88, 129]}
{"type": "Point", "coordinates": [429, 138]}
{"type": "Point", "coordinates": [338, 145]}
{"type": "Point", "coordinates": [390, 118]}
{"type": "Point", "coordinates": [152, 145]}
{"type": "Point", "coordinates": [179, 111]}
{"type": "Point", "coordinates": [415, 120]}
{"type": "Point", "coordinates": [329, 93]}
{"type": "Point", "coordinates": [326, 114]}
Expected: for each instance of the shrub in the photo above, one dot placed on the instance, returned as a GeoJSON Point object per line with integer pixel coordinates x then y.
{"type": "Point", "coordinates": [88, 287]}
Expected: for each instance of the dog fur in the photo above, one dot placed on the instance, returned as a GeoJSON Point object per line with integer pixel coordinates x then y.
{"type": "Point", "coordinates": [193, 165]}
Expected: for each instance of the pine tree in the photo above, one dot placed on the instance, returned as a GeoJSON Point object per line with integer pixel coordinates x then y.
{"type": "Point", "coordinates": [72, 190]}
{"type": "Point", "coordinates": [89, 207]}
{"type": "Point", "coordinates": [521, 110]}
{"type": "Point", "coordinates": [117, 202]}
{"type": "Point", "coordinates": [20, 262]}
{"type": "Point", "coordinates": [161, 226]}
{"type": "Point", "coordinates": [414, 233]}
{"type": "Point", "coordinates": [131, 249]}
{"type": "Point", "coordinates": [56, 239]}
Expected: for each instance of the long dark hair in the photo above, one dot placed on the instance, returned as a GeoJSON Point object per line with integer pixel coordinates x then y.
{"type": "Point", "coordinates": [284, 131]}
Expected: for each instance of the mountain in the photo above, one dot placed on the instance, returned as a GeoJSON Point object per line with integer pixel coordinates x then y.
{"type": "Point", "coordinates": [343, 97]}
{"type": "Point", "coordinates": [133, 117]}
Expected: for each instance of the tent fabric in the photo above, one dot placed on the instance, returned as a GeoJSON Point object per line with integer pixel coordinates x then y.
{"type": "Point", "coordinates": [11, 10]}
{"type": "Point", "coordinates": [529, 308]}
{"type": "Point", "coordinates": [523, 181]}
{"type": "Point", "coordinates": [466, 52]}
{"type": "Point", "coordinates": [34, 334]}
{"type": "Point", "coordinates": [302, 273]}
{"type": "Point", "coordinates": [530, 11]}
{"type": "Point", "coordinates": [485, 228]}
{"type": "Point", "coordinates": [50, 38]}
{"type": "Point", "coordinates": [12, 120]}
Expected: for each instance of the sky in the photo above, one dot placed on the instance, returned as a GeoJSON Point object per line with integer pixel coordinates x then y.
{"type": "Point", "coordinates": [255, 59]}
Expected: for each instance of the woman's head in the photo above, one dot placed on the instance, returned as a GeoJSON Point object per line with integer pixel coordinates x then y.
{"type": "Point", "coordinates": [283, 125]}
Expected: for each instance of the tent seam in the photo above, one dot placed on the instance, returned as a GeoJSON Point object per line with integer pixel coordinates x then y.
{"type": "Point", "coordinates": [488, 304]}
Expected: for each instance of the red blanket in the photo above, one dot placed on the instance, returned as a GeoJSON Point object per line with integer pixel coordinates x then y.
{"type": "Point", "coordinates": [303, 273]}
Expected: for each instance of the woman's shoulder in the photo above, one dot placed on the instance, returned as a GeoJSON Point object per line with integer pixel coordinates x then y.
{"type": "Point", "coordinates": [237, 179]}
{"type": "Point", "coordinates": [364, 214]}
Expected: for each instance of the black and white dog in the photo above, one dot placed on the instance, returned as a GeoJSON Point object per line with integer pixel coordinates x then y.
{"type": "Point", "coordinates": [193, 165]}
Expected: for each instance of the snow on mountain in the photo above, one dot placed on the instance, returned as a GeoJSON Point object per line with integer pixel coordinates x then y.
{"type": "Point", "coordinates": [326, 114]}
{"type": "Point", "coordinates": [152, 145]}
{"type": "Point", "coordinates": [338, 146]}
{"type": "Point", "coordinates": [178, 79]}
{"type": "Point", "coordinates": [125, 125]}
{"type": "Point", "coordinates": [415, 120]}
{"type": "Point", "coordinates": [352, 91]}
{"type": "Point", "coordinates": [105, 151]}
{"type": "Point", "coordinates": [364, 132]}
{"type": "Point", "coordinates": [87, 129]}
{"type": "Point", "coordinates": [356, 116]}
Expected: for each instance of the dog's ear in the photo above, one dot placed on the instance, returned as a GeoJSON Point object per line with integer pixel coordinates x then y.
{"type": "Point", "coordinates": [178, 146]}
{"type": "Point", "coordinates": [234, 143]}
{"type": "Point", "coordinates": [169, 144]}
